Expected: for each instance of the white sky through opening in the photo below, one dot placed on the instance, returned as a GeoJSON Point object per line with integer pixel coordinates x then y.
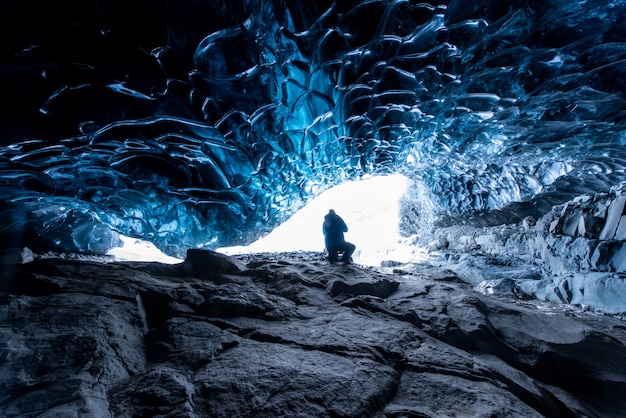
{"type": "Point", "coordinates": [371, 209]}
{"type": "Point", "coordinates": [135, 249]}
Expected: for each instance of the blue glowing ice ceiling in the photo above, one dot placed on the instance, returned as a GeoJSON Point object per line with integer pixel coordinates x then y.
{"type": "Point", "coordinates": [206, 123]}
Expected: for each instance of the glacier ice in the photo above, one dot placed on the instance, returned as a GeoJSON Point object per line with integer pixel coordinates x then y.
{"type": "Point", "coordinates": [205, 124]}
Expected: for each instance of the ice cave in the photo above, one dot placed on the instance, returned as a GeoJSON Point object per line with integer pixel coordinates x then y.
{"type": "Point", "coordinates": [486, 138]}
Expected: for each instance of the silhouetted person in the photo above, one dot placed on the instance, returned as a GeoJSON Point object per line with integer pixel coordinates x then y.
{"type": "Point", "coordinates": [333, 228]}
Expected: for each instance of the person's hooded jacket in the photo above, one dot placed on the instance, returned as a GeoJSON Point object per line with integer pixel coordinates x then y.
{"type": "Point", "coordinates": [334, 228]}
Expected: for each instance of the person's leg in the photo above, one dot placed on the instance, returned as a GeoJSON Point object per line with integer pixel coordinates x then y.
{"type": "Point", "coordinates": [347, 248]}
{"type": "Point", "coordinates": [350, 251]}
{"type": "Point", "coordinates": [332, 254]}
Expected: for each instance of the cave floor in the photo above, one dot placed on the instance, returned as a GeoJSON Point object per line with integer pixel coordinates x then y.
{"type": "Point", "coordinates": [291, 335]}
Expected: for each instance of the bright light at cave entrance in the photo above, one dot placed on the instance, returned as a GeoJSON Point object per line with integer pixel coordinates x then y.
{"type": "Point", "coordinates": [371, 210]}
{"type": "Point", "coordinates": [134, 249]}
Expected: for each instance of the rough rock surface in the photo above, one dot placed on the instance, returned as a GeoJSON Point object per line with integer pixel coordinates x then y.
{"type": "Point", "coordinates": [291, 335]}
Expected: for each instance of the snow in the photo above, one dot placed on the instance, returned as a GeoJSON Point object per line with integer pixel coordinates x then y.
{"type": "Point", "coordinates": [134, 249]}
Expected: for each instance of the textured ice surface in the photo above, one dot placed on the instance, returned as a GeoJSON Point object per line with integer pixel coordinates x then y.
{"type": "Point", "coordinates": [206, 124]}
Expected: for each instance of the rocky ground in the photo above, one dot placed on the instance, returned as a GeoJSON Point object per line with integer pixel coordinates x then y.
{"type": "Point", "coordinates": [290, 335]}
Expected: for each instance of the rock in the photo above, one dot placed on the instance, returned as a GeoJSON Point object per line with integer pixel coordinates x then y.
{"type": "Point", "coordinates": [382, 289]}
{"type": "Point", "coordinates": [205, 263]}
{"type": "Point", "coordinates": [12, 256]}
{"type": "Point", "coordinates": [293, 381]}
{"type": "Point", "coordinates": [291, 336]}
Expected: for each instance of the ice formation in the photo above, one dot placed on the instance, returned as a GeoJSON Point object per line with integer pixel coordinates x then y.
{"type": "Point", "coordinates": [206, 124]}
